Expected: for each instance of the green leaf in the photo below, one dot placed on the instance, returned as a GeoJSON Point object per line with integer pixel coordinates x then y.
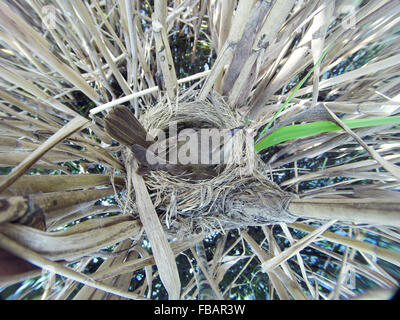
{"type": "Point", "coordinates": [308, 129]}
{"type": "Point", "coordinates": [295, 90]}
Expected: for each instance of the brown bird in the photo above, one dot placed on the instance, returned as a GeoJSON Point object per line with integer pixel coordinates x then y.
{"type": "Point", "coordinates": [189, 155]}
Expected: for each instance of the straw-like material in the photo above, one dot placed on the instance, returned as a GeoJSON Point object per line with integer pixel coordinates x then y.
{"type": "Point", "coordinates": [241, 195]}
{"type": "Point", "coordinates": [325, 206]}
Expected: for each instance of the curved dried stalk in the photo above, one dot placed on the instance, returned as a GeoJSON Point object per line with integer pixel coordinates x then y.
{"type": "Point", "coordinates": [96, 56]}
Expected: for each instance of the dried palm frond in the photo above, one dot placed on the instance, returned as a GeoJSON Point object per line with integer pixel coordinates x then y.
{"type": "Point", "coordinates": [310, 218]}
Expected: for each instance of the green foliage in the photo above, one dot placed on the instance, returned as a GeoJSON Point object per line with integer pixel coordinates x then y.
{"type": "Point", "coordinates": [308, 129]}
{"type": "Point", "coordinates": [298, 86]}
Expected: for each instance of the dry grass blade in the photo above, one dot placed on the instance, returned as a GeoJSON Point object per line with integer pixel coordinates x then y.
{"type": "Point", "coordinates": [27, 35]}
{"type": "Point", "coordinates": [393, 169]}
{"type": "Point", "coordinates": [372, 211]}
{"type": "Point", "coordinates": [342, 274]}
{"type": "Point", "coordinates": [207, 275]}
{"type": "Point", "coordinates": [89, 293]}
{"type": "Point", "coordinates": [300, 261]}
{"type": "Point", "coordinates": [145, 261]}
{"type": "Point", "coordinates": [225, 19]}
{"type": "Point", "coordinates": [382, 253]}
{"type": "Point", "coordinates": [76, 242]}
{"type": "Point", "coordinates": [245, 44]}
{"type": "Point", "coordinates": [37, 259]}
{"type": "Point", "coordinates": [162, 251]}
{"type": "Point", "coordinates": [319, 27]}
{"type": "Point", "coordinates": [201, 64]}
{"type": "Point", "coordinates": [74, 125]}
{"type": "Point", "coordinates": [263, 256]}
{"type": "Point", "coordinates": [272, 263]}
{"type": "Point", "coordinates": [340, 170]}
{"type": "Point", "coordinates": [276, 15]}
{"type": "Point", "coordinates": [44, 184]}
{"type": "Point", "coordinates": [163, 50]}
{"type": "Point", "coordinates": [352, 75]}
{"type": "Point", "coordinates": [139, 94]}
{"type": "Point", "coordinates": [225, 56]}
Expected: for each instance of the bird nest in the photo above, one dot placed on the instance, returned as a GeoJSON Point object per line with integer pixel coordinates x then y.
{"type": "Point", "coordinates": [241, 195]}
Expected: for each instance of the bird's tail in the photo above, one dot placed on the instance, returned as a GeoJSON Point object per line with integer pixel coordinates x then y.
{"type": "Point", "coordinates": [123, 126]}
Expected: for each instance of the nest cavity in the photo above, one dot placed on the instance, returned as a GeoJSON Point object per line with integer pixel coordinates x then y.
{"type": "Point", "coordinates": [241, 195]}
